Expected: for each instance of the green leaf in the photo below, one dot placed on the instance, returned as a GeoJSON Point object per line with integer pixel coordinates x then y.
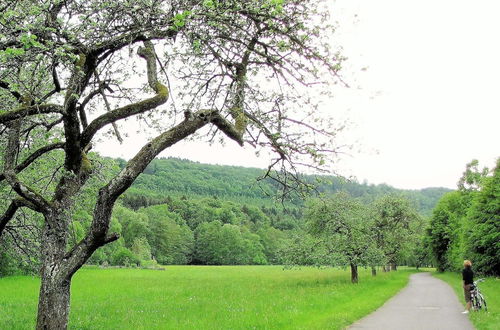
{"type": "Point", "coordinates": [181, 18]}
{"type": "Point", "coordinates": [209, 4]}
{"type": "Point", "coordinates": [13, 52]}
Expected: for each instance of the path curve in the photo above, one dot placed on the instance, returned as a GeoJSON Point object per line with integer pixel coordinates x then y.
{"type": "Point", "coordinates": [426, 303]}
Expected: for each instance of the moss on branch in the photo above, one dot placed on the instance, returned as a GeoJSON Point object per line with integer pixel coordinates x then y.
{"type": "Point", "coordinates": [162, 95]}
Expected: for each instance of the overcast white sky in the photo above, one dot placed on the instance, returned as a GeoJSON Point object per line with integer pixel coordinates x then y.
{"type": "Point", "coordinates": [427, 103]}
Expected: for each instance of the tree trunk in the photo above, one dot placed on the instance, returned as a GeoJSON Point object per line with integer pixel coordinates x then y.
{"type": "Point", "coordinates": [354, 273]}
{"type": "Point", "coordinates": [374, 271]}
{"type": "Point", "coordinates": [53, 304]}
{"type": "Point", "coordinates": [54, 298]}
{"type": "Point", "coordinates": [394, 266]}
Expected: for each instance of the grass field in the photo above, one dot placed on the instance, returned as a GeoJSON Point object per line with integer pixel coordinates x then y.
{"type": "Point", "coordinates": [491, 290]}
{"type": "Point", "coordinates": [192, 297]}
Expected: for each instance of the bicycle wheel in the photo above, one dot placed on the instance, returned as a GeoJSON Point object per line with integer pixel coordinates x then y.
{"type": "Point", "coordinates": [483, 302]}
{"type": "Point", "coordinates": [476, 304]}
{"type": "Point", "coordinates": [473, 302]}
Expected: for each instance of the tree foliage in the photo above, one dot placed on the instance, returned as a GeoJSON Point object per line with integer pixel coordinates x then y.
{"type": "Point", "coordinates": [447, 230]}
{"type": "Point", "coordinates": [344, 227]}
{"type": "Point", "coordinates": [344, 231]}
{"type": "Point", "coordinates": [484, 216]}
{"type": "Point", "coordinates": [465, 223]}
{"type": "Point", "coordinates": [396, 226]}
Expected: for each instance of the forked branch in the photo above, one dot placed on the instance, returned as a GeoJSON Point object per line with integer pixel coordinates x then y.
{"type": "Point", "coordinates": [146, 52]}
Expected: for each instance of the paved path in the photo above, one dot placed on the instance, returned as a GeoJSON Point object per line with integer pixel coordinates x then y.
{"type": "Point", "coordinates": [426, 303]}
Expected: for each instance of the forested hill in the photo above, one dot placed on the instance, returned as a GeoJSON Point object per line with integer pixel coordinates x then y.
{"type": "Point", "coordinates": [174, 177]}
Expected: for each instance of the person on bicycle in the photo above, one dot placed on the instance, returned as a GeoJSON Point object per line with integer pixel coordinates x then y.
{"type": "Point", "coordinates": [468, 280]}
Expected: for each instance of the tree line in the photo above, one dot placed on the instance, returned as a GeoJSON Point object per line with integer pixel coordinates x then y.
{"type": "Point", "coordinates": [181, 231]}
{"type": "Point", "coordinates": [465, 223]}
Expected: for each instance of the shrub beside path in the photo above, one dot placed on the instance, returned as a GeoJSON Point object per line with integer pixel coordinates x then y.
{"type": "Point", "coordinates": [426, 303]}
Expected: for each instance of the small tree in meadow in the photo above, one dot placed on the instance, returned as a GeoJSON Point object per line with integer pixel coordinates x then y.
{"type": "Point", "coordinates": [344, 227]}
{"type": "Point", "coordinates": [395, 225]}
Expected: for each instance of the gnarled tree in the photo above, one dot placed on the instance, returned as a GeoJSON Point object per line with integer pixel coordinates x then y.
{"type": "Point", "coordinates": [222, 69]}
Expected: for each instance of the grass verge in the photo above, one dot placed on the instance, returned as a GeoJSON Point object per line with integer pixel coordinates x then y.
{"type": "Point", "coordinates": [491, 290]}
{"type": "Point", "coordinates": [201, 297]}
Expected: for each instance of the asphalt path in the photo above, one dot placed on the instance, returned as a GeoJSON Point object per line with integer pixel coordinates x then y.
{"type": "Point", "coordinates": [426, 303]}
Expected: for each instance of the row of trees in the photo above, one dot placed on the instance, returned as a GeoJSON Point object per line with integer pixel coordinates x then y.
{"type": "Point", "coordinates": [342, 231]}
{"type": "Point", "coordinates": [176, 231]}
{"type": "Point", "coordinates": [466, 223]}
{"type": "Point", "coordinates": [337, 231]}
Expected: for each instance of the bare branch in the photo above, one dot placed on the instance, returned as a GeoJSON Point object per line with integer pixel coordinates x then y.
{"type": "Point", "coordinates": [57, 84]}
{"type": "Point", "coordinates": [270, 136]}
{"type": "Point", "coordinates": [120, 41]}
{"type": "Point", "coordinates": [86, 100]}
{"type": "Point", "coordinates": [108, 107]}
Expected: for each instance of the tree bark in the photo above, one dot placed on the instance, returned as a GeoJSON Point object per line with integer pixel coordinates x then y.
{"type": "Point", "coordinates": [54, 298]}
{"type": "Point", "coordinates": [394, 266]}
{"type": "Point", "coordinates": [374, 271]}
{"type": "Point", "coordinates": [354, 273]}
{"type": "Point", "coordinates": [53, 304]}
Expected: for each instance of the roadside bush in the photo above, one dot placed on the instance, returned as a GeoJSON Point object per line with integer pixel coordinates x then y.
{"type": "Point", "coordinates": [124, 257]}
{"type": "Point", "coordinates": [151, 264]}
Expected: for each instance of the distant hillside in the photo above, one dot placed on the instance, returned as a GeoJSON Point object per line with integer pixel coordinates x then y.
{"type": "Point", "coordinates": [175, 177]}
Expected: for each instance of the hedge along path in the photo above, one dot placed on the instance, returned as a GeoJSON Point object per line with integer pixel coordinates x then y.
{"type": "Point", "coordinates": [426, 303]}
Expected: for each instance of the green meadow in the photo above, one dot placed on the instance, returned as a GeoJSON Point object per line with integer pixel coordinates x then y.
{"type": "Point", "coordinates": [207, 297]}
{"type": "Point", "coordinates": [490, 288]}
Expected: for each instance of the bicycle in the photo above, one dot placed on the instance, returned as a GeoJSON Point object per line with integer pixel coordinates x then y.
{"type": "Point", "coordinates": [477, 298]}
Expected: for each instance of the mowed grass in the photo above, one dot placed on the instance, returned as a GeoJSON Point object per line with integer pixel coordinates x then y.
{"type": "Point", "coordinates": [203, 297]}
{"type": "Point", "coordinates": [491, 290]}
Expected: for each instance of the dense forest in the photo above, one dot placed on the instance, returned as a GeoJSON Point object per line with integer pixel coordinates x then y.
{"type": "Point", "coordinates": [183, 212]}
{"type": "Point", "coordinates": [176, 177]}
